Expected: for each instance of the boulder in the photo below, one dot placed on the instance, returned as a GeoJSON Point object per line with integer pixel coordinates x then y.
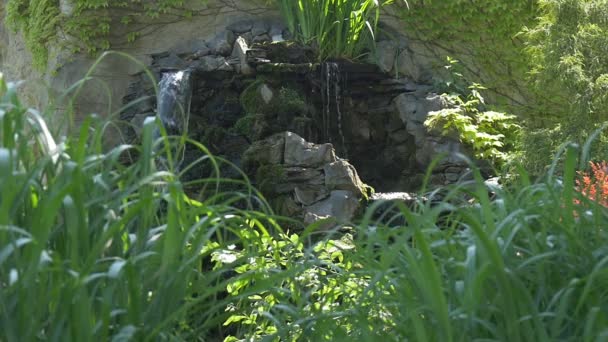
{"type": "Point", "coordinates": [340, 175]}
{"type": "Point", "coordinates": [386, 52]}
{"type": "Point", "coordinates": [240, 52]}
{"type": "Point", "coordinates": [222, 43]}
{"type": "Point", "coordinates": [308, 181]}
{"type": "Point", "coordinates": [340, 205]}
{"type": "Point", "coordinates": [300, 152]}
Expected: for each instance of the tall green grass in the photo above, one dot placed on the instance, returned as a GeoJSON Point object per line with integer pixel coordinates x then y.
{"type": "Point", "coordinates": [96, 249]}
{"type": "Point", "coordinates": [338, 28]}
{"type": "Point", "coordinates": [523, 263]}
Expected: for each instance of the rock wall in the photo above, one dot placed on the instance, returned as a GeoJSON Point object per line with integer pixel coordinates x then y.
{"type": "Point", "coordinates": [114, 73]}
{"type": "Point", "coordinates": [250, 83]}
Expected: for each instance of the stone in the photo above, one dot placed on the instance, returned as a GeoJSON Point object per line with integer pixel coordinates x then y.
{"type": "Point", "coordinates": [276, 33]}
{"type": "Point", "coordinates": [386, 52]}
{"type": "Point", "coordinates": [222, 43]}
{"type": "Point", "coordinates": [240, 26]}
{"type": "Point", "coordinates": [406, 106]}
{"type": "Point", "coordinates": [341, 175]}
{"type": "Point", "coordinates": [267, 151]}
{"type": "Point", "coordinates": [408, 65]}
{"type": "Point", "coordinates": [310, 218]}
{"type": "Point", "coordinates": [452, 177]}
{"type": "Point", "coordinates": [170, 61]}
{"type": "Point", "coordinates": [263, 38]}
{"type": "Point", "coordinates": [212, 63]}
{"type": "Point", "coordinates": [201, 52]}
{"type": "Point", "coordinates": [300, 152]}
{"type": "Point", "coordinates": [260, 28]}
{"type": "Point", "coordinates": [240, 51]}
{"type": "Point", "coordinates": [400, 136]}
{"type": "Point", "coordinates": [297, 174]}
{"type": "Point", "coordinates": [190, 47]}
{"type": "Point", "coordinates": [137, 122]}
{"type": "Point", "coordinates": [266, 93]}
{"type": "Point", "coordinates": [341, 205]}
{"type": "Point", "coordinates": [310, 194]}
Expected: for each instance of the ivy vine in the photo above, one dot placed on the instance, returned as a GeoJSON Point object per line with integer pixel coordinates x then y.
{"type": "Point", "coordinates": [91, 26]}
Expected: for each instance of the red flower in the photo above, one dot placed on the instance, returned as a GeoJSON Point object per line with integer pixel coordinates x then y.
{"type": "Point", "coordinates": [594, 184]}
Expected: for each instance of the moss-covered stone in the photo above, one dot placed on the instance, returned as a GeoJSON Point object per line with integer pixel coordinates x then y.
{"type": "Point", "coordinates": [268, 177]}
{"type": "Point", "coordinates": [284, 100]}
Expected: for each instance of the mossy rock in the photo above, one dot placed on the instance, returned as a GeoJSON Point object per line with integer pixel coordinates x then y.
{"type": "Point", "coordinates": [252, 126]}
{"type": "Point", "coordinates": [268, 177]}
{"type": "Point", "coordinates": [262, 98]}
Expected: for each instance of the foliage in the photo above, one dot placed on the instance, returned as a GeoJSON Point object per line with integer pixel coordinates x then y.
{"type": "Point", "coordinates": [484, 35]}
{"type": "Point", "coordinates": [492, 135]}
{"type": "Point", "coordinates": [93, 248]}
{"type": "Point", "coordinates": [518, 267]}
{"type": "Point", "coordinates": [567, 54]}
{"type": "Point", "coordinates": [83, 25]}
{"type": "Point", "coordinates": [338, 28]}
{"type": "Point", "coordinates": [594, 185]}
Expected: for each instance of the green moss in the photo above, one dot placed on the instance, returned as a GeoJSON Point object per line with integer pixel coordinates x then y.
{"type": "Point", "coordinates": [213, 135]}
{"type": "Point", "coordinates": [268, 177]}
{"type": "Point", "coordinates": [287, 100]}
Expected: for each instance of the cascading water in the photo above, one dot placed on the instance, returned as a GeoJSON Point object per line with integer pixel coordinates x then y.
{"type": "Point", "coordinates": [174, 98]}
{"type": "Point", "coordinates": [331, 92]}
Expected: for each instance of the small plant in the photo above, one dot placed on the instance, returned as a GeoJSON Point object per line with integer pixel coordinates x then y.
{"type": "Point", "coordinates": [594, 184]}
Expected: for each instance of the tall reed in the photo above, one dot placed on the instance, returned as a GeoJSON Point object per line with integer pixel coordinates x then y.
{"type": "Point", "coordinates": [338, 28]}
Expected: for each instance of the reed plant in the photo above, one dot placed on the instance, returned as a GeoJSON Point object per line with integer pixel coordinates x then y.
{"type": "Point", "coordinates": [338, 28]}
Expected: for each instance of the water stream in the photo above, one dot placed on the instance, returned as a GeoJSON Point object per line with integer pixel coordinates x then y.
{"type": "Point", "coordinates": [174, 98]}
{"type": "Point", "coordinates": [331, 93]}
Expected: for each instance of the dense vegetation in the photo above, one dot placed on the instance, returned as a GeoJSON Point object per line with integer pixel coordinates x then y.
{"type": "Point", "coordinates": [108, 244]}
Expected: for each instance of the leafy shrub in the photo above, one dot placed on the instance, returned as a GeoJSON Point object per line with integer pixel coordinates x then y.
{"type": "Point", "coordinates": [492, 135]}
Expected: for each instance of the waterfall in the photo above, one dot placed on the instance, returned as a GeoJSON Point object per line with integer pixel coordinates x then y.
{"type": "Point", "coordinates": [331, 92]}
{"type": "Point", "coordinates": [173, 110]}
{"type": "Point", "coordinates": [174, 95]}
